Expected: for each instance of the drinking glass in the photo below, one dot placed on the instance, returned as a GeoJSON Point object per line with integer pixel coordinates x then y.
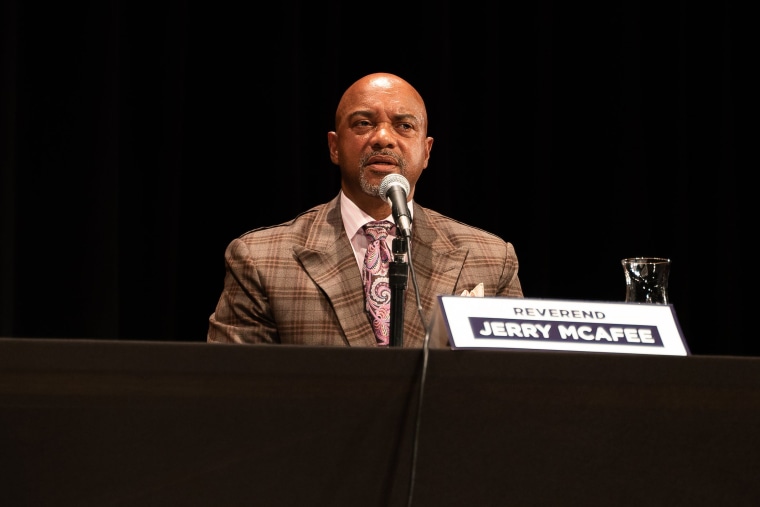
{"type": "Point", "coordinates": [646, 279]}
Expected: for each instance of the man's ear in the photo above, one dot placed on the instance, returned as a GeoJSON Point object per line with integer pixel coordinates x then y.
{"type": "Point", "coordinates": [428, 149]}
{"type": "Point", "coordinates": [332, 144]}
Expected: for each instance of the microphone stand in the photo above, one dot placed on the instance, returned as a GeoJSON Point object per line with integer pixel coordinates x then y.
{"type": "Point", "coordinates": [398, 273]}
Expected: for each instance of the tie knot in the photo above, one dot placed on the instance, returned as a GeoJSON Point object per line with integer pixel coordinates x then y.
{"type": "Point", "coordinates": [377, 231]}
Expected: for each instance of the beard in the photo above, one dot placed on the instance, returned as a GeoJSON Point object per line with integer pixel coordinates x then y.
{"type": "Point", "coordinates": [368, 187]}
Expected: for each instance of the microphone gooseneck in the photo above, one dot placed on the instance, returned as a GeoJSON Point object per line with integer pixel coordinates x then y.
{"type": "Point", "coordinates": [395, 188]}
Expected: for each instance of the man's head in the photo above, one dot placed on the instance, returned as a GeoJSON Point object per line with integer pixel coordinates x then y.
{"type": "Point", "coordinates": [380, 129]}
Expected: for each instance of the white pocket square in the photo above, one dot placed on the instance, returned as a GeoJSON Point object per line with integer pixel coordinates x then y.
{"type": "Point", "coordinates": [477, 292]}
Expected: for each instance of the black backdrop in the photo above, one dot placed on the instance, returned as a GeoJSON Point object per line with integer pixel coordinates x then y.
{"type": "Point", "coordinates": [139, 138]}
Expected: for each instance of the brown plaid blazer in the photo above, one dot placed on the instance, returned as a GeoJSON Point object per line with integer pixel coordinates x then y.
{"type": "Point", "coordinates": [298, 282]}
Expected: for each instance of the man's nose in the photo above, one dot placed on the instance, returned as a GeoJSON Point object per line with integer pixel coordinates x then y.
{"type": "Point", "coordinates": [383, 136]}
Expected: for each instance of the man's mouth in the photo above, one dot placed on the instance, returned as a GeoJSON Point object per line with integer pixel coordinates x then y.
{"type": "Point", "coordinates": [381, 160]}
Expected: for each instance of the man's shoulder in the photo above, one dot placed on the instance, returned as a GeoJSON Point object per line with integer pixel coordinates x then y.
{"type": "Point", "coordinates": [300, 225]}
{"type": "Point", "coordinates": [457, 230]}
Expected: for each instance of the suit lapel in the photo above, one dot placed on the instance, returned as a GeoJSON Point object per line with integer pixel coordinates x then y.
{"type": "Point", "coordinates": [329, 260]}
{"type": "Point", "coordinates": [437, 264]}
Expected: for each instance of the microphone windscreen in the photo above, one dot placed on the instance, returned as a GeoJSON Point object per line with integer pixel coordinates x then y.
{"type": "Point", "coordinates": [391, 180]}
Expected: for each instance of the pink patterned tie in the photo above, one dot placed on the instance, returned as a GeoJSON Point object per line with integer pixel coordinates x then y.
{"type": "Point", "coordinates": [376, 288]}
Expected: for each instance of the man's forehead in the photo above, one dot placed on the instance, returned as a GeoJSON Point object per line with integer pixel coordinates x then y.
{"type": "Point", "coordinates": [382, 96]}
{"type": "Point", "coordinates": [378, 104]}
{"type": "Point", "coordinates": [391, 113]}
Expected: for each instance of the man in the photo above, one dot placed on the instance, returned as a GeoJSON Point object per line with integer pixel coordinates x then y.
{"type": "Point", "coordinates": [302, 282]}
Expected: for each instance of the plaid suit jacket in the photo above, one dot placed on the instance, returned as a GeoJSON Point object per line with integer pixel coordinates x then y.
{"type": "Point", "coordinates": [298, 282]}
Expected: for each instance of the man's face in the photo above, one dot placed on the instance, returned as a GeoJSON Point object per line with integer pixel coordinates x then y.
{"type": "Point", "coordinates": [381, 129]}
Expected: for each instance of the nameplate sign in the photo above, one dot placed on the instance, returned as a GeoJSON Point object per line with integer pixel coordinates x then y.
{"type": "Point", "coordinates": [560, 325]}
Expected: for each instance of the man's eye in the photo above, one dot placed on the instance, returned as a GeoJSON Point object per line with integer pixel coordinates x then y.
{"type": "Point", "coordinates": [405, 127]}
{"type": "Point", "coordinates": [363, 123]}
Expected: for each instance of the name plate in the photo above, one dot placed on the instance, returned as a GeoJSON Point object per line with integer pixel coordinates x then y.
{"type": "Point", "coordinates": [562, 325]}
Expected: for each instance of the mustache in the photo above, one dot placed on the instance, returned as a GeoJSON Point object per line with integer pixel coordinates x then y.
{"type": "Point", "coordinates": [385, 153]}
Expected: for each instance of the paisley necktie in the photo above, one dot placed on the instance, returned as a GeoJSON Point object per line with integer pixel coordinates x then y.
{"type": "Point", "coordinates": [376, 288]}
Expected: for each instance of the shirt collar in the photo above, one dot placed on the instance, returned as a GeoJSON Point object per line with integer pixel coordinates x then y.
{"type": "Point", "coordinates": [354, 218]}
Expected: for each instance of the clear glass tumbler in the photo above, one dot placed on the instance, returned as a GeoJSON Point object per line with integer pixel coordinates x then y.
{"type": "Point", "coordinates": [646, 279]}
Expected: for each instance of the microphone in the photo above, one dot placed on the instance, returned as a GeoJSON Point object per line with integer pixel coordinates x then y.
{"type": "Point", "coordinates": [394, 188]}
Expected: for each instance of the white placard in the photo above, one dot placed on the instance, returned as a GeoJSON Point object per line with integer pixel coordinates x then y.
{"type": "Point", "coordinates": [564, 325]}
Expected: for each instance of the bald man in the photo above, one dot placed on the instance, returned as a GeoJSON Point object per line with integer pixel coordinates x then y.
{"type": "Point", "coordinates": [302, 282]}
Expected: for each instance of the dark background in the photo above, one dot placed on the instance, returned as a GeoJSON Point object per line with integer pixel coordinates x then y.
{"type": "Point", "coordinates": [139, 139]}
